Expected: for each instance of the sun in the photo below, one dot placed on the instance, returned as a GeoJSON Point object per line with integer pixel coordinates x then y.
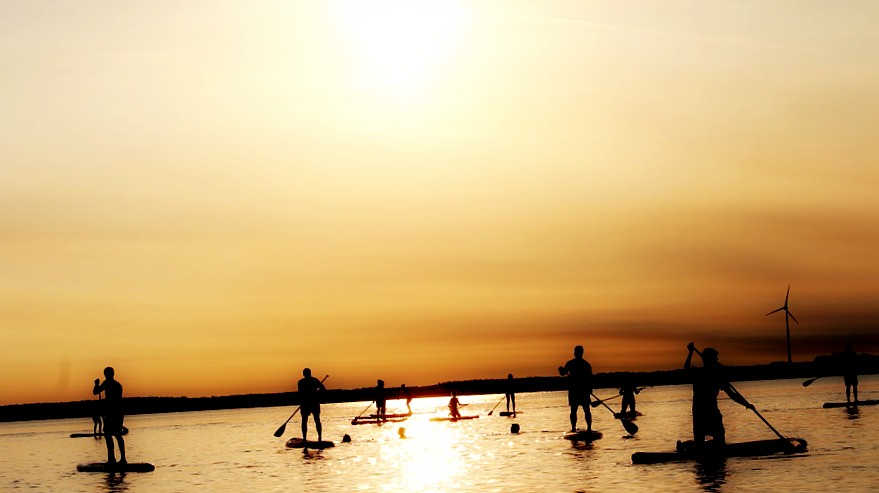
{"type": "Point", "coordinates": [399, 44]}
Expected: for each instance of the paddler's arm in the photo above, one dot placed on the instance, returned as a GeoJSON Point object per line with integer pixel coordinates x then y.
{"type": "Point", "coordinates": [692, 348]}
{"type": "Point", "coordinates": [736, 396]}
{"type": "Point", "coordinates": [98, 388]}
{"type": "Point", "coordinates": [563, 371]}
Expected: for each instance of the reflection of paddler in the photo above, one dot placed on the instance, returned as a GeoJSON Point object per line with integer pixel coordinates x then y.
{"type": "Point", "coordinates": [113, 413]}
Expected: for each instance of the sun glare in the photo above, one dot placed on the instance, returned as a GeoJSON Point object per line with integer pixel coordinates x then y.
{"type": "Point", "coordinates": [400, 43]}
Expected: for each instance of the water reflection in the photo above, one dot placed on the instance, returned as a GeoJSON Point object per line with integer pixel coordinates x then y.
{"type": "Point", "coordinates": [852, 412]}
{"type": "Point", "coordinates": [115, 482]}
{"type": "Point", "coordinates": [711, 475]}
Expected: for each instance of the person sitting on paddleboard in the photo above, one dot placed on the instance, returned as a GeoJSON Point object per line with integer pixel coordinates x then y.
{"type": "Point", "coordinates": [113, 414]}
{"type": "Point", "coordinates": [453, 406]}
{"type": "Point", "coordinates": [579, 373]}
{"type": "Point", "coordinates": [309, 402]}
{"type": "Point", "coordinates": [380, 399]}
{"type": "Point", "coordinates": [511, 393]}
{"type": "Point", "coordinates": [708, 381]}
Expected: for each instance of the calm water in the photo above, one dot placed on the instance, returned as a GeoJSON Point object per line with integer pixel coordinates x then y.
{"type": "Point", "coordinates": [235, 450]}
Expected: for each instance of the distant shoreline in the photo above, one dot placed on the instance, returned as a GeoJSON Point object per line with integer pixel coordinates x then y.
{"type": "Point", "coordinates": [821, 366]}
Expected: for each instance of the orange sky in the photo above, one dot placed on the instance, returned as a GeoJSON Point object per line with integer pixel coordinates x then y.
{"type": "Point", "coordinates": [210, 197]}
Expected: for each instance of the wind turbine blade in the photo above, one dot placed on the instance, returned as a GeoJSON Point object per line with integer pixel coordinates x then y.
{"type": "Point", "coordinates": [787, 295]}
{"type": "Point", "coordinates": [792, 316]}
{"type": "Point", "coordinates": [776, 310]}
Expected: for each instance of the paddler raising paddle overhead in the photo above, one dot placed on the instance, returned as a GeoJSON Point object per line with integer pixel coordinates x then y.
{"type": "Point", "coordinates": [708, 381]}
{"type": "Point", "coordinates": [579, 373]}
{"type": "Point", "coordinates": [309, 402]}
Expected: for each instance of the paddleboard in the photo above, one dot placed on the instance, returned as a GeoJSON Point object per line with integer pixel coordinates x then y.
{"type": "Point", "coordinates": [627, 415]}
{"type": "Point", "coordinates": [508, 413]}
{"type": "Point", "coordinates": [871, 402]}
{"type": "Point", "coordinates": [389, 416]}
{"type": "Point", "coordinates": [686, 452]}
{"type": "Point", "coordinates": [117, 467]}
{"type": "Point", "coordinates": [373, 421]}
{"type": "Point", "coordinates": [298, 443]}
{"type": "Point", "coordinates": [449, 418]}
{"type": "Point", "coordinates": [583, 436]}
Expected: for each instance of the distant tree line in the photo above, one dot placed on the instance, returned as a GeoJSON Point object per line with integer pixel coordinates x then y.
{"type": "Point", "coordinates": [820, 366]}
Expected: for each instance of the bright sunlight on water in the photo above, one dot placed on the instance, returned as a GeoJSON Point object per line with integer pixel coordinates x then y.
{"type": "Point", "coordinates": [235, 450]}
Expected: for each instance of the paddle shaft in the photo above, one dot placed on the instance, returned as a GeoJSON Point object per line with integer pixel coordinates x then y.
{"type": "Point", "coordinates": [496, 405]}
{"type": "Point", "coordinates": [280, 431]}
{"type": "Point", "coordinates": [630, 427]}
{"type": "Point", "coordinates": [601, 401]}
{"type": "Point", "coordinates": [752, 408]}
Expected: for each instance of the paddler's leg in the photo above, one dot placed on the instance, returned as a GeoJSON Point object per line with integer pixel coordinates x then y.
{"type": "Point", "coordinates": [588, 411]}
{"type": "Point", "coordinates": [318, 426]}
{"type": "Point", "coordinates": [121, 442]}
{"type": "Point", "coordinates": [305, 425]}
{"type": "Point", "coordinates": [573, 418]}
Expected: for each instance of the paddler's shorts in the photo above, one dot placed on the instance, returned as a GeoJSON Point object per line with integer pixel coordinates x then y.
{"type": "Point", "coordinates": [113, 425]}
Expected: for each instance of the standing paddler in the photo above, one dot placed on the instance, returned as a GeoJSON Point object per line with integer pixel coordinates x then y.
{"type": "Point", "coordinates": [309, 402]}
{"type": "Point", "coordinates": [708, 381]}
{"type": "Point", "coordinates": [579, 373]}
{"type": "Point", "coordinates": [850, 372]}
{"type": "Point", "coordinates": [113, 414]}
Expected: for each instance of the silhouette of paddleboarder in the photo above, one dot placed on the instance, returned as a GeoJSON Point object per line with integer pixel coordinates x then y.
{"type": "Point", "coordinates": [708, 381]}
{"type": "Point", "coordinates": [453, 406]}
{"type": "Point", "coordinates": [380, 399]}
{"type": "Point", "coordinates": [511, 393]}
{"type": "Point", "coordinates": [97, 422]}
{"type": "Point", "coordinates": [113, 414]}
{"type": "Point", "coordinates": [405, 394]}
{"type": "Point", "coordinates": [579, 373]}
{"type": "Point", "coordinates": [628, 391]}
{"type": "Point", "coordinates": [850, 372]}
{"type": "Point", "coordinates": [309, 402]}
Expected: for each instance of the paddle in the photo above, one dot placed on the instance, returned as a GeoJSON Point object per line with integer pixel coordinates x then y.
{"type": "Point", "coordinates": [280, 431]}
{"type": "Point", "coordinates": [810, 381]}
{"type": "Point", "coordinates": [600, 402]}
{"type": "Point", "coordinates": [496, 405]}
{"type": "Point", "coordinates": [361, 413]}
{"type": "Point", "coordinates": [630, 427]}
{"type": "Point", "coordinates": [752, 408]}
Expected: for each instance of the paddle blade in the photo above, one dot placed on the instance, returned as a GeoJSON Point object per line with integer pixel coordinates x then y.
{"type": "Point", "coordinates": [280, 431]}
{"type": "Point", "coordinates": [809, 381]}
{"type": "Point", "coordinates": [632, 428]}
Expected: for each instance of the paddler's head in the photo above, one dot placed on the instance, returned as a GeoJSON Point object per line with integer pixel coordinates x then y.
{"type": "Point", "coordinates": [709, 356]}
{"type": "Point", "coordinates": [109, 372]}
{"type": "Point", "coordinates": [306, 372]}
{"type": "Point", "coordinates": [578, 352]}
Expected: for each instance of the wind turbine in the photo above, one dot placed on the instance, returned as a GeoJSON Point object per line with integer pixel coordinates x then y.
{"type": "Point", "coordinates": [787, 315]}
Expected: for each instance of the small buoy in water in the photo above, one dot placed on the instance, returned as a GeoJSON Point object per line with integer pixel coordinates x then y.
{"type": "Point", "coordinates": [346, 438]}
{"type": "Point", "coordinates": [514, 428]}
{"type": "Point", "coordinates": [402, 432]}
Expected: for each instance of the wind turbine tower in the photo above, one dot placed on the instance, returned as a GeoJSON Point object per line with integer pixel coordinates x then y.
{"type": "Point", "coordinates": [787, 316]}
